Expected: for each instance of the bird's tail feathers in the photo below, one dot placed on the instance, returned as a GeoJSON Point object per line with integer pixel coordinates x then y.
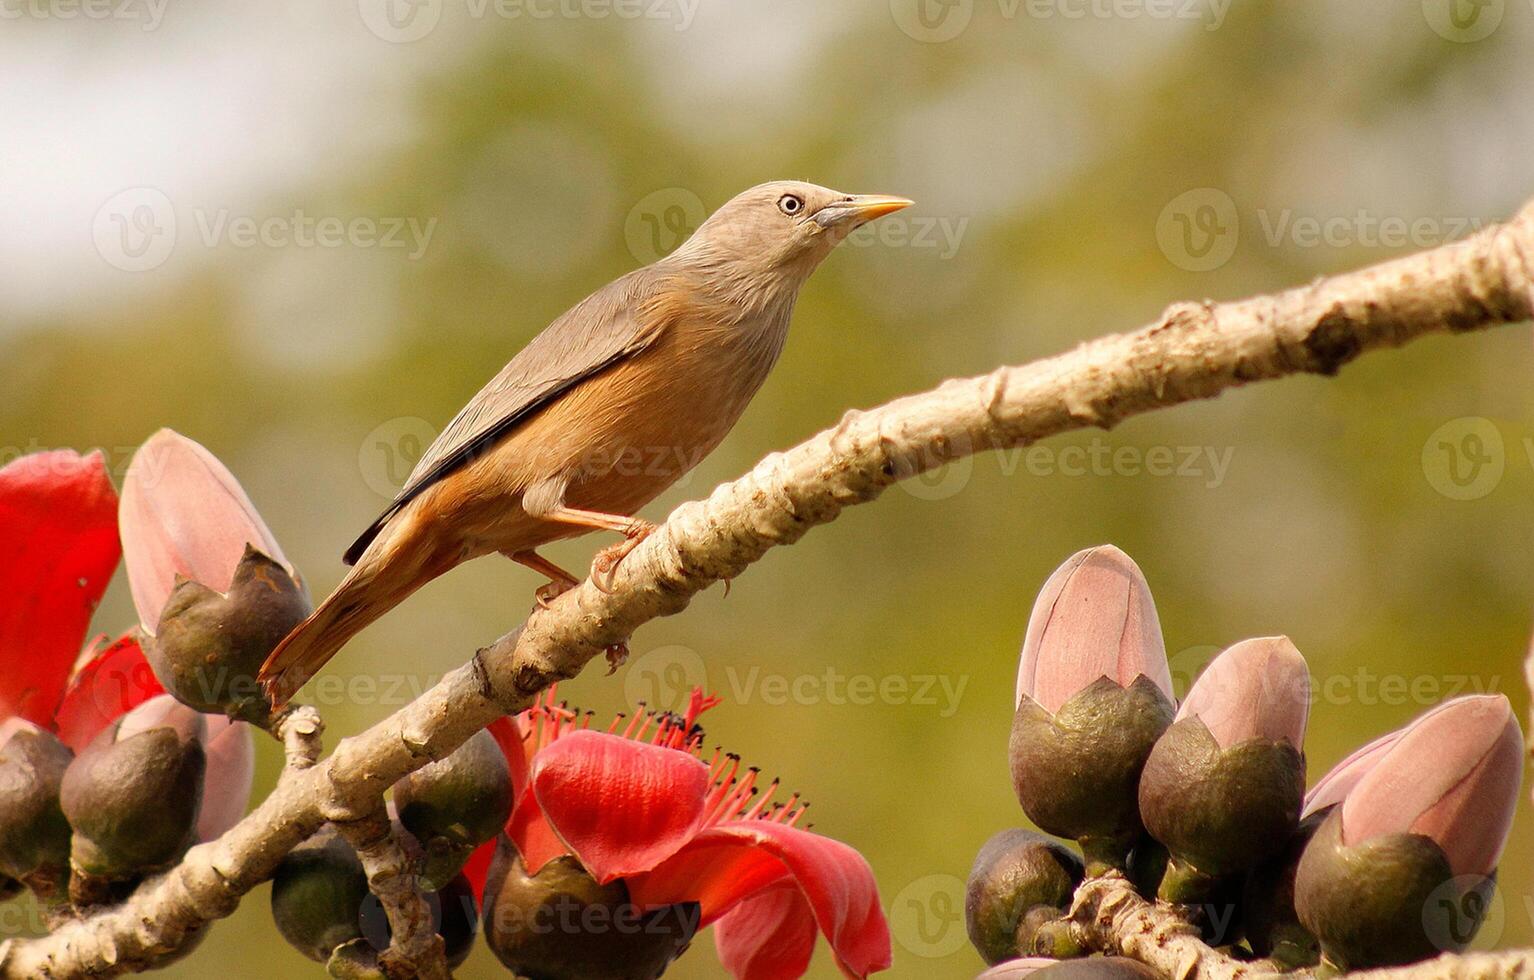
{"type": "Point", "coordinates": [363, 596]}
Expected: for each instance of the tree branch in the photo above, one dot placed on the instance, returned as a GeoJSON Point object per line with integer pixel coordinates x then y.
{"type": "Point", "coordinates": [415, 949]}
{"type": "Point", "coordinates": [1194, 351]}
{"type": "Point", "coordinates": [1109, 916]}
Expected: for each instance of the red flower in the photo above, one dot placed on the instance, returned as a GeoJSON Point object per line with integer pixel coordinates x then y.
{"type": "Point", "coordinates": [58, 549]}
{"type": "Point", "coordinates": [642, 806]}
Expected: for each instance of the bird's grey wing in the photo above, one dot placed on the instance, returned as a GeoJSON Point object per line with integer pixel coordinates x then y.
{"type": "Point", "coordinates": [607, 327]}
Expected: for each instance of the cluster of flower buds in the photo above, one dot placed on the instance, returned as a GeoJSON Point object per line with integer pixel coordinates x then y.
{"type": "Point", "coordinates": [324, 909]}
{"type": "Point", "coordinates": [1386, 861]}
{"type": "Point", "coordinates": [444, 813]}
{"type": "Point", "coordinates": [104, 778]}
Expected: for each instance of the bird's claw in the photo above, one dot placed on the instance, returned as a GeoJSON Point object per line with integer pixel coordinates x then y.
{"type": "Point", "coordinates": [605, 565]}
{"type": "Point", "coordinates": [546, 593]}
{"type": "Point", "coordinates": [617, 656]}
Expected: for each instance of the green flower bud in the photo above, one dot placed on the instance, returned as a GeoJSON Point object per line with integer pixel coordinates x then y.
{"type": "Point", "coordinates": [561, 925]}
{"type": "Point", "coordinates": [213, 589]}
{"type": "Point", "coordinates": [209, 646]}
{"type": "Point", "coordinates": [134, 794]}
{"type": "Point", "coordinates": [456, 804]}
{"type": "Point", "coordinates": [317, 895]}
{"type": "Point", "coordinates": [1273, 928]}
{"type": "Point", "coordinates": [1377, 903]}
{"type": "Point", "coordinates": [1019, 879]}
{"type": "Point", "coordinates": [34, 835]}
{"type": "Point", "coordinates": [1077, 771]}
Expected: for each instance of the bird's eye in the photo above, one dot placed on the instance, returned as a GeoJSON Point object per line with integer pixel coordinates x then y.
{"type": "Point", "coordinates": [790, 204]}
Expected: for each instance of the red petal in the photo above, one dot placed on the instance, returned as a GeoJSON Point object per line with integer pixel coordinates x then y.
{"type": "Point", "coordinates": [769, 936]}
{"type": "Point", "coordinates": [529, 829]}
{"type": "Point", "coordinates": [509, 736]}
{"type": "Point", "coordinates": [477, 867]}
{"type": "Point", "coordinates": [621, 806]}
{"type": "Point", "coordinates": [231, 755]}
{"type": "Point", "coordinates": [728, 863]}
{"type": "Point", "coordinates": [58, 547]}
{"type": "Point", "coordinates": [183, 513]}
{"type": "Point", "coordinates": [716, 870]}
{"type": "Point", "coordinates": [109, 684]}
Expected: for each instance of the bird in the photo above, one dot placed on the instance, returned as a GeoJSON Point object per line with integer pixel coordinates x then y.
{"type": "Point", "coordinates": [598, 415]}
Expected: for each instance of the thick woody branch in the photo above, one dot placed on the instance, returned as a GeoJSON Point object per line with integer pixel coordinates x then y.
{"type": "Point", "coordinates": [1109, 916]}
{"type": "Point", "coordinates": [1513, 964]}
{"type": "Point", "coordinates": [1194, 351]}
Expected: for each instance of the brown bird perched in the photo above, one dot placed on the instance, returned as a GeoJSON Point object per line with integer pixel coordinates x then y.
{"type": "Point", "coordinates": [605, 409]}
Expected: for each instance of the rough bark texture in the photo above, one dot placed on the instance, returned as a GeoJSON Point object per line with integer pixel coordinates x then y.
{"type": "Point", "coordinates": [1194, 351]}
{"type": "Point", "coordinates": [1109, 916]}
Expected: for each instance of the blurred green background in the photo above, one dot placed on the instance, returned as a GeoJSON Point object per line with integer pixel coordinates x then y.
{"type": "Point", "coordinates": [1078, 165]}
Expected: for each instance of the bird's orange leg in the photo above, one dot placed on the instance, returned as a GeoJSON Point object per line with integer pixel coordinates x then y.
{"type": "Point", "coordinates": [560, 581]}
{"type": "Point", "coordinates": [633, 529]}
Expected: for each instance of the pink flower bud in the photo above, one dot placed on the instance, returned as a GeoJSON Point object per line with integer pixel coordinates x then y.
{"type": "Point", "coordinates": [1451, 775]}
{"type": "Point", "coordinates": [1334, 787]}
{"type": "Point", "coordinates": [162, 711]}
{"type": "Point", "coordinates": [231, 752]}
{"type": "Point", "coordinates": [1094, 618]}
{"type": "Point", "coordinates": [1257, 688]}
{"type": "Point", "coordinates": [1016, 969]}
{"type": "Point", "coordinates": [183, 513]}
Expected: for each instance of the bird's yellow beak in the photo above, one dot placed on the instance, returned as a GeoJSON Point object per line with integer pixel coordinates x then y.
{"type": "Point", "coordinates": [860, 209]}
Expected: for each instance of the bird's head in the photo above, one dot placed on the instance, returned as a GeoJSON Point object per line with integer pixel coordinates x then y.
{"type": "Point", "coordinates": [784, 228]}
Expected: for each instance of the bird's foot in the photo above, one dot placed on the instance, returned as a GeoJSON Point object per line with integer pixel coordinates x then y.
{"type": "Point", "coordinates": [560, 581]}
{"type": "Point", "coordinates": [546, 593]}
{"type": "Point", "coordinates": [605, 565]}
{"type": "Point", "coordinates": [617, 656]}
